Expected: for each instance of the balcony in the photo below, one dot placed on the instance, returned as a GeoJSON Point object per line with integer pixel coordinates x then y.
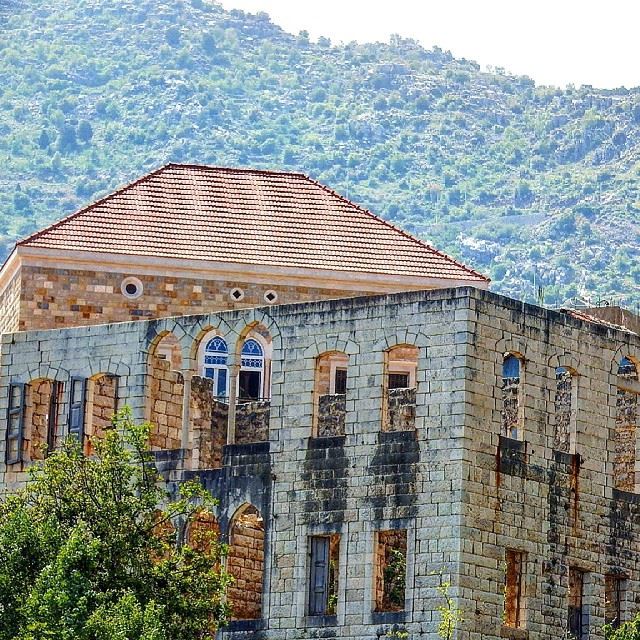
{"type": "Point", "coordinates": [331, 412]}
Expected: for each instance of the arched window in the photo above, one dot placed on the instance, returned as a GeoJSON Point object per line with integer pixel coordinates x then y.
{"type": "Point", "coordinates": [251, 370]}
{"type": "Point", "coordinates": [511, 396]}
{"type": "Point", "coordinates": [216, 354]}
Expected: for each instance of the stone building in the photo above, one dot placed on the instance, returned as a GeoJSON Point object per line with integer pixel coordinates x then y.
{"type": "Point", "coordinates": [367, 447]}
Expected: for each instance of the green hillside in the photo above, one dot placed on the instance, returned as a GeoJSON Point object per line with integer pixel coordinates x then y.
{"type": "Point", "coordinates": [536, 186]}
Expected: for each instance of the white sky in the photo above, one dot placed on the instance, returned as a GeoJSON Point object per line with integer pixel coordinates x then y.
{"type": "Point", "coordinates": [553, 41]}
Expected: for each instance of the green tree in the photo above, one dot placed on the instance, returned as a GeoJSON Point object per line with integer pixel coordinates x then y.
{"type": "Point", "coordinates": [628, 631]}
{"type": "Point", "coordinates": [89, 550]}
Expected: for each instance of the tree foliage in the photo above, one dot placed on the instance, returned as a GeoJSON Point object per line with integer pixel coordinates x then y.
{"type": "Point", "coordinates": [628, 631]}
{"type": "Point", "coordinates": [91, 549]}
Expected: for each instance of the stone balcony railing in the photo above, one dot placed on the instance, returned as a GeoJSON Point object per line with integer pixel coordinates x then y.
{"type": "Point", "coordinates": [401, 409]}
{"type": "Point", "coordinates": [331, 412]}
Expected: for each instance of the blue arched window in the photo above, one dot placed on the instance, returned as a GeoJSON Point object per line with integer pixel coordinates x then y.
{"type": "Point", "coordinates": [216, 354]}
{"type": "Point", "coordinates": [251, 376]}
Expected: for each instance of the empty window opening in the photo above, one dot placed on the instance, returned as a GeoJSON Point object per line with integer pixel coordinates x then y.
{"type": "Point", "coordinates": [613, 595]}
{"type": "Point", "coordinates": [390, 570]}
{"type": "Point", "coordinates": [216, 355]}
{"type": "Point", "coordinates": [511, 421]}
{"type": "Point", "coordinates": [41, 418]}
{"type": "Point", "coordinates": [15, 423]}
{"type": "Point", "coordinates": [53, 419]}
{"type": "Point", "coordinates": [564, 438]}
{"type": "Point", "coordinates": [330, 394]}
{"type": "Point", "coordinates": [245, 562]}
{"type": "Point", "coordinates": [323, 578]}
{"type": "Point", "coordinates": [625, 430]}
{"type": "Point", "coordinates": [513, 592]}
{"type": "Point", "coordinates": [399, 396]}
{"type": "Point", "coordinates": [165, 393]}
{"type": "Point", "coordinates": [576, 616]}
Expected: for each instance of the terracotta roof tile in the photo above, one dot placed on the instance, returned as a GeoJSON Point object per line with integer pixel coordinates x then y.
{"type": "Point", "coordinates": [246, 216]}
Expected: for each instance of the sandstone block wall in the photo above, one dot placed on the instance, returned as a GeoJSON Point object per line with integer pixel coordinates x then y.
{"type": "Point", "coordinates": [463, 492]}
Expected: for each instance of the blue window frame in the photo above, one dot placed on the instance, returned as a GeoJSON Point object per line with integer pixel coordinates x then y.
{"type": "Point", "coordinates": [216, 354]}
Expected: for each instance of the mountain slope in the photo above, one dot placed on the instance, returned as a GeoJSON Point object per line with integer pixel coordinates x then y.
{"type": "Point", "coordinates": [534, 185]}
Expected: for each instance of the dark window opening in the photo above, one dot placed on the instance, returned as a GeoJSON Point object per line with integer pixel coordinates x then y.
{"type": "Point", "coordinates": [577, 620]}
{"type": "Point", "coordinates": [15, 423]}
{"type": "Point", "coordinates": [340, 381]}
{"type": "Point", "coordinates": [613, 586]}
{"type": "Point", "coordinates": [55, 400]}
{"type": "Point", "coordinates": [323, 578]}
{"type": "Point", "coordinates": [131, 288]}
{"type": "Point", "coordinates": [249, 383]}
{"type": "Point", "coordinates": [398, 381]}
{"type": "Point", "coordinates": [77, 399]}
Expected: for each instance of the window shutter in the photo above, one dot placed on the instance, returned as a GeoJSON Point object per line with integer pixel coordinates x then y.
{"type": "Point", "coordinates": [319, 579]}
{"type": "Point", "coordinates": [77, 396]}
{"type": "Point", "coordinates": [15, 422]}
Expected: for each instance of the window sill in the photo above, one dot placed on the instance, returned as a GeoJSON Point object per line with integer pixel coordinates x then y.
{"type": "Point", "coordinates": [327, 442]}
{"type": "Point", "coordinates": [321, 621]}
{"type": "Point", "coordinates": [243, 625]}
{"type": "Point", "coordinates": [514, 633]}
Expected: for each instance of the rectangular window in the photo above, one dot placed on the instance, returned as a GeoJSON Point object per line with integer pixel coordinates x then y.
{"type": "Point", "coordinates": [513, 596]}
{"type": "Point", "coordinates": [340, 382]}
{"type": "Point", "coordinates": [15, 422]}
{"type": "Point", "coordinates": [323, 578]}
{"type": "Point", "coordinates": [577, 620]}
{"type": "Point", "coordinates": [613, 590]}
{"type": "Point", "coordinates": [55, 400]}
{"type": "Point", "coordinates": [390, 570]}
{"type": "Point", "coordinates": [77, 400]}
{"type": "Point", "coordinates": [398, 380]}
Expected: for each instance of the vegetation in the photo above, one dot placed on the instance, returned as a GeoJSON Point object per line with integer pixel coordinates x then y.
{"type": "Point", "coordinates": [450, 613]}
{"type": "Point", "coordinates": [628, 631]}
{"type": "Point", "coordinates": [535, 185]}
{"type": "Point", "coordinates": [88, 553]}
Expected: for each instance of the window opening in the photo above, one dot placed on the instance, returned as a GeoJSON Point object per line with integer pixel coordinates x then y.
{"type": "Point", "coordinates": [55, 401]}
{"type": "Point", "coordinates": [390, 570]}
{"type": "Point", "coordinates": [511, 396]}
{"type": "Point", "coordinates": [625, 430]}
{"type": "Point", "coordinates": [613, 586]}
{"type": "Point", "coordinates": [340, 381]}
{"type": "Point", "coordinates": [323, 579]}
{"type": "Point", "coordinates": [398, 381]}
{"type": "Point", "coordinates": [563, 403]}
{"type": "Point", "coordinates": [15, 422]}
{"type": "Point", "coordinates": [513, 600]}
{"type": "Point", "coordinates": [577, 622]}
{"type": "Point", "coordinates": [251, 370]}
{"type": "Point", "coordinates": [216, 354]}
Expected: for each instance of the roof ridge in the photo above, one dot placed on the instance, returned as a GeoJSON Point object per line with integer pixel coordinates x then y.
{"type": "Point", "coordinates": [212, 167]}
{"type": "Point", "coordinates": [95, 203]}
{"type": "Point", "coordinates": [406, 234]}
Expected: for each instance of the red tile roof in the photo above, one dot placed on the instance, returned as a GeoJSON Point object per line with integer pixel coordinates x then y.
{"type": "Point", "coordinates": [246, 216]}
{"type": "Point", "coordinates": [586, 317]}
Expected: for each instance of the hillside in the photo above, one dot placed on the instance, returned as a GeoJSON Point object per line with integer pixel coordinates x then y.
{"type": "Point", "coordinates": [536, 186]}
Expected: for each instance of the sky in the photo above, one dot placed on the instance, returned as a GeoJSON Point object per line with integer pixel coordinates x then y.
{"type": "Point", "coordinates": [556, 42]}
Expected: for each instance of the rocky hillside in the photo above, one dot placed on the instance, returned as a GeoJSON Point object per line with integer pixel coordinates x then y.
{"type": "Point", "coordinates": [537, 186]}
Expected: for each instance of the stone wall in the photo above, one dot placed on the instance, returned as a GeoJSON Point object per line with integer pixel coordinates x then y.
{"type": "Point", "coordinates": [401, 409]}
{"type": "Point", "coordinates": [563, 411]}
{"type": "Point", "coordinates": [245, 563]}
{"type": "Point", "coordinates": [463, 492]}
{"type": "Point", "coordinates": [166, 389]}
{"type": "Point", "coordinates": [624, 465]}
{"type": "Point", "coordinates": [102, 403]}
{"type": "Point", "coordinates": [55, 298]}
{"type": "Point", "coordinates": [252, 421]}
{"type": "Point", "coordinates": [331, 414]}
{"type": "Point", "coordinates": [208, 424]}
{"type": "Point", "coordinates": [10, 306]}
{"type": "Point", "coordinates": [37, 419]}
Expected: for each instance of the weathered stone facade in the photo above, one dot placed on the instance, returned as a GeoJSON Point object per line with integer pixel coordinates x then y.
{"type": "Point", "coordinates": [465, 493]}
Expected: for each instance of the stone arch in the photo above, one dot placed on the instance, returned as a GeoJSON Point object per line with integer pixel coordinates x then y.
{"type": "Point", "coordinates": [254, 317]}
{"type": "Point", "coordinates": [567, 360]}
{"type": "Point", "coordinates": [245, 562]}
{"type": "Point", "coordinates": [200, 330]}
{"type": "Point", "coordinates": [402, 336]}
{"type": "Point", "coordinates": [165, 391]}
{"type": "Point", "coordinates": [332, 344]}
